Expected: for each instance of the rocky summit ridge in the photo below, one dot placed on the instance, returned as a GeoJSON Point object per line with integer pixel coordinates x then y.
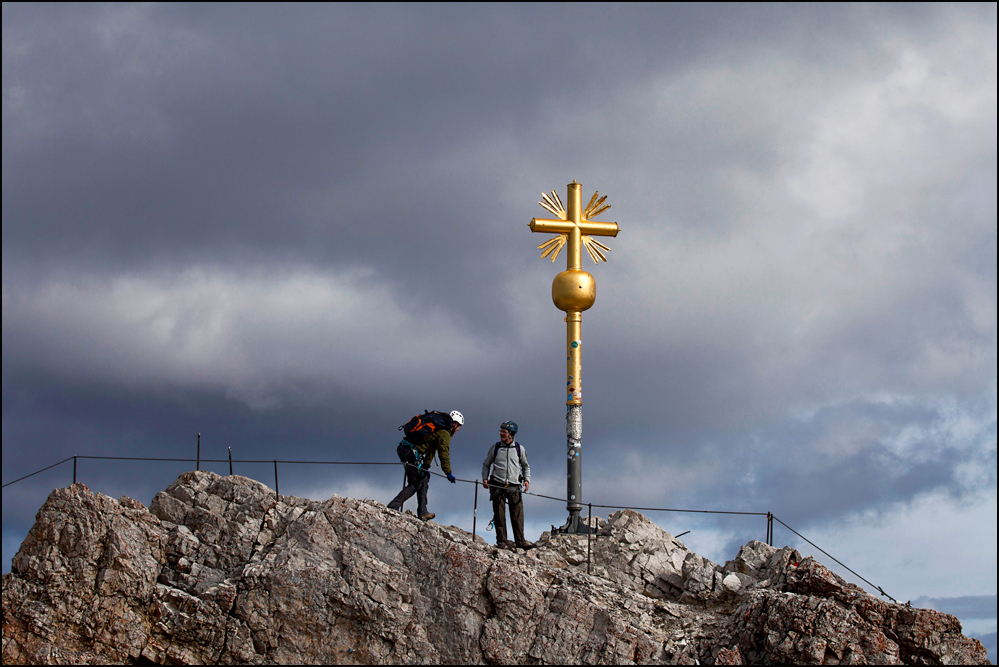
{"type": "Point", "coordinates": [221, 570]}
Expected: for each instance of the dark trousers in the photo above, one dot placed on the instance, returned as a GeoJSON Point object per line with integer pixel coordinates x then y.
{"type": "Point", "coordinates": [417, 481]}
{"type": "Point", "coordinates": [500, 497]}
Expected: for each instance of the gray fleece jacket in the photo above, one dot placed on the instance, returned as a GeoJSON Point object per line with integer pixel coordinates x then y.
{"type": "Point", "coordinates": [507, 467]}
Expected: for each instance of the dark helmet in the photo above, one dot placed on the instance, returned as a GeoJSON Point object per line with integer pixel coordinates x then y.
{"type": "Point", "coordinates": [510, 426]}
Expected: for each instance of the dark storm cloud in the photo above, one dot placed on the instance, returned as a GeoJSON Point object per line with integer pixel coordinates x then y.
{"type": "Point", "coordinates": [165, 136]}
{"type": "Point", "coordinates": [149, 132]}
{"type": "Point", "coordinates": [165, 121]}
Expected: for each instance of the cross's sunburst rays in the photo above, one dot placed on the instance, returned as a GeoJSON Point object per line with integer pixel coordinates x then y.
{"type": "Point", "coordinates": [594, 247]}
{"type": "Point", "coordinates": [553, 204]}
{"type": "Point", "coordinates": [553, 246]}
{"type": "Point", "coordinates": [594, 208]}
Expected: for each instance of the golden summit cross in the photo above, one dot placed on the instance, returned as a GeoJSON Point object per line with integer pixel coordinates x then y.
{"type": "Point", "coordinates": [574, 291]}
{"type": "Point", "coordinates": [574, 227]}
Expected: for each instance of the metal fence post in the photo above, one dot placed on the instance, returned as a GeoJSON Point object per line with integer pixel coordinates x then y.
{"type": "Point", "coordinates": [770, 529]}
{"type": "Point", "coordinates": [199, 452]}
{"type": "Point", "coordinates": [230, 461]}
{"type": "Point", "coordinates": [74, 470]}
{"type": "Point", "coordinates": [276, 492]}
{"type": "Point", "coordinates": [589, 530]}
{"type": "Point", "coordinates": [475, 511]}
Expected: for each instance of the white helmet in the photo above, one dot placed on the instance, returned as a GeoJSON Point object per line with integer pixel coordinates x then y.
{"type": "Point", "coordinates": [458, 419]}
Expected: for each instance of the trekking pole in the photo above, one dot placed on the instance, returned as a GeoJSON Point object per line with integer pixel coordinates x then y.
{"type": "Point", "coordinates": [475, 511]}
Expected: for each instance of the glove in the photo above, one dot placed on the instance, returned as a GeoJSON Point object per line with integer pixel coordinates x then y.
{"type": "Point", "coordinates": [451, 478]}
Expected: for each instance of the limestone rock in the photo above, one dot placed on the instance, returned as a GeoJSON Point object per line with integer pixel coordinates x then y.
{"type": "Point", "coordinates": [221, 570]}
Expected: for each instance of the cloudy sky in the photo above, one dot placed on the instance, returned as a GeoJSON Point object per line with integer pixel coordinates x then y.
{"type": "Point", "coordinates": [292, 228]}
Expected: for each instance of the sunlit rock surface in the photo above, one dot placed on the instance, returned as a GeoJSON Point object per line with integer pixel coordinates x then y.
{"type": "Point", "coordinates": [219, 570]}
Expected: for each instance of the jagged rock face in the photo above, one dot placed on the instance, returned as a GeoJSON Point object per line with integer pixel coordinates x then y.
{"type": "Point", "coordinates": [220, 570]}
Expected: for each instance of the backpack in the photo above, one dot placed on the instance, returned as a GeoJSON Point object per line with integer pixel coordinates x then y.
{"type": "Point", "coordinates": [519, 459]}
{"type": "Point", "coordinates": [420, 426]}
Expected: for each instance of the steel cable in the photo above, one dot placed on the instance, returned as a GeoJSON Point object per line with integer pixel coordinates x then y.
{"type": "Point", "coordinates": [457, 479]}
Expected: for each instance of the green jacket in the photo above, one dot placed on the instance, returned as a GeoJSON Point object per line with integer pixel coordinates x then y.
{"type": "Point", "coordinates": [438, 442]}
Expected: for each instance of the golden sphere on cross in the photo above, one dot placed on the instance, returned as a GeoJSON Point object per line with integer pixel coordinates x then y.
{"type": "Point", "coordinates": [574, 290]}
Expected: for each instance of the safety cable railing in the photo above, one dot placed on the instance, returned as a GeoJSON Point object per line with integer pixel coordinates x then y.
{"type": "Point", "coordinates": [198, 461]}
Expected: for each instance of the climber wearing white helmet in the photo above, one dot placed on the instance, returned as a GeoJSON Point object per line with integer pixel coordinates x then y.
{"type": "Point", "coordinates": [424, 436]}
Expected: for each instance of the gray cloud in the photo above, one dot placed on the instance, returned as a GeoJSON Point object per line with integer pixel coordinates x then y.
{"type": "Point", "coordinates": [969, 606]}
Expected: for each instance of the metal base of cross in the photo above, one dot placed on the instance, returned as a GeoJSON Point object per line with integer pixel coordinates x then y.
{"type": "Point", "coordinates": [574, 525]}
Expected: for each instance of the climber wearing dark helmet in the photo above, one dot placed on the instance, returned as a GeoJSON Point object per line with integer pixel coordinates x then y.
{"type": "Point", "coordinates": [503, 471]}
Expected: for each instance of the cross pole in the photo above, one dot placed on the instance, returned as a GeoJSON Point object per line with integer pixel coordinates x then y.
{"type": "Point", "coordinates": [574, 291]}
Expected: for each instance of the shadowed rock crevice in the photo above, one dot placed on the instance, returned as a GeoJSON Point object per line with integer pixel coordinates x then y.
{"type": "Point", "coordinates": [220, 570]}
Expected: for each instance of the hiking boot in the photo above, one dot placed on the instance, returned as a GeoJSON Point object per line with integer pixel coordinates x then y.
{"type": "Point", "coordinates": [526, 545]}
{"type": "Point", "coordinates": [505, 544]}
{"type": "Point", "coordinates": [427, 517]}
